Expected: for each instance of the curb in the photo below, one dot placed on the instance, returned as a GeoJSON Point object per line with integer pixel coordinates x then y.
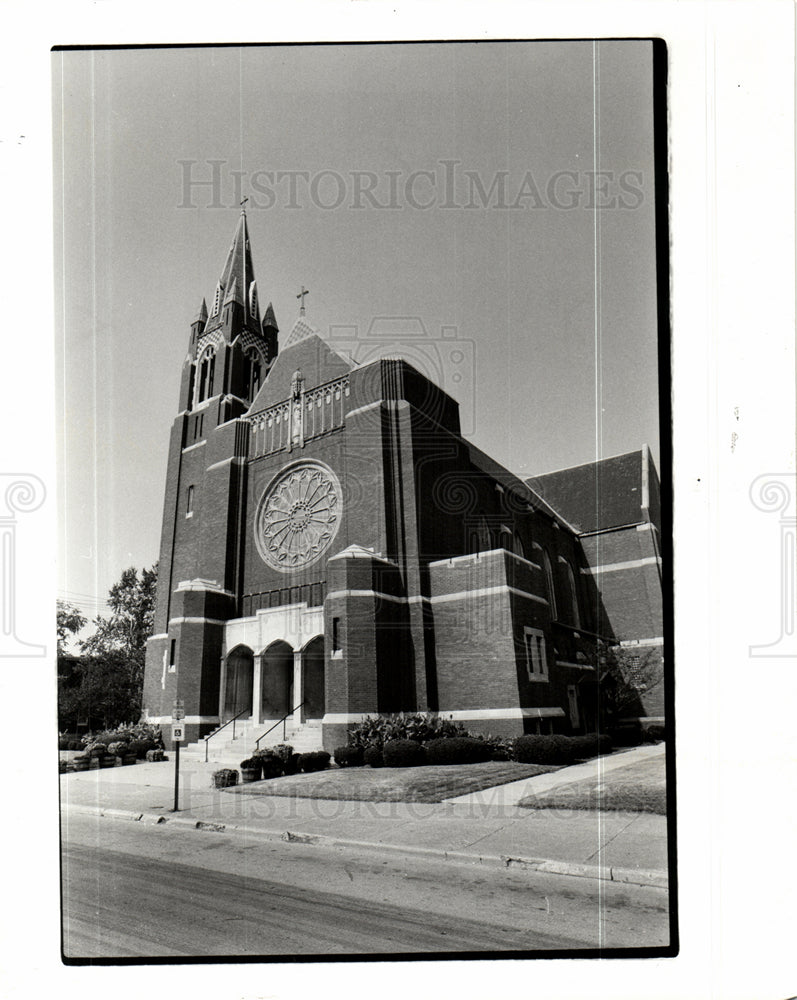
{"type": "Point", "coordinates": [630, 876]}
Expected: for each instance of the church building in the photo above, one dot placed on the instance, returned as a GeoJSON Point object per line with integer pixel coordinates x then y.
{"type": "Point", "coordinates": [332, 547]}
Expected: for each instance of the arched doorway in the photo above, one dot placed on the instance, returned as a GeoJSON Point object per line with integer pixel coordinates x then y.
{"type": "Point", "coordinates": [238, 687]}
{"type": "Point", "coordinates": [276, 686]}
{"type": "Point", "coordinates": [313, 678]}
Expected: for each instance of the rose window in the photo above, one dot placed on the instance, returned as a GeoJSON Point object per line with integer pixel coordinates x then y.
{"type": "Point", "coordinates": [298, 516]}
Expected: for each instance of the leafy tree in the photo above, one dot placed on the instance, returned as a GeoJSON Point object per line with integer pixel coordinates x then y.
{"type": "Point", "coordinates": [105, 683]}
{"type": "Point", "coordinates": [69, 621]}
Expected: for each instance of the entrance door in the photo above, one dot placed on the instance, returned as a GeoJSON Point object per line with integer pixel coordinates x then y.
{"type": "Point", "coordinates": [313, 678]}
{"type": "Point", "coordinates": [276, 689]}
{"type": "Point", "coordinates": [240, 679]}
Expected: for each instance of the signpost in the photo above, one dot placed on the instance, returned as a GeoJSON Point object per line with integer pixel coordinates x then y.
{"type": "Point", "coordinates": [178, 736]}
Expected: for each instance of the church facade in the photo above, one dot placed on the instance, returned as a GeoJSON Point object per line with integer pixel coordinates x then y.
{"type": "Point", "coordinates": [333, 547]}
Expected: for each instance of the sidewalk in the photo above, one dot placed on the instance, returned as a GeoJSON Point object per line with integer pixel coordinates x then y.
{"type": "Point", "coordinates": [482, 827]}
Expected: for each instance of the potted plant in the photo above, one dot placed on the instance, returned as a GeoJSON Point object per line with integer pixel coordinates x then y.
{"type": "Point", "coordinates": [224, 778]}
{"type": "Point", "coordinates": [81, 762]}
{"type": "Point", "coordinates": [251, 769]}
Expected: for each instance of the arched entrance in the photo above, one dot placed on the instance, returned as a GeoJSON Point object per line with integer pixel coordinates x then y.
{"type": "Point", "coordinates": [313, 679]}
{"type": "Point", "coordinates": [238, 687]}
{"type": "Point", "coordinates": [276, 685]}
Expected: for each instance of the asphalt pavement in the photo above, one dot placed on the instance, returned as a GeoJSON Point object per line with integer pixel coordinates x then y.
{"type": "Point", "coordinates": [484, 827]}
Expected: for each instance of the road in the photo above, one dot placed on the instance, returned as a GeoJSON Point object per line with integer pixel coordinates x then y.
{"type": "Point", "coordinates": [131, 890]}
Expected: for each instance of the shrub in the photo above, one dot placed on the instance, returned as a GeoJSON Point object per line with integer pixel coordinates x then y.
{"type": "Point", "coordinates": [269, 762]}
{"type": "Point", "coordinates": [154, 755]}
{"type": "Point", "coordinates": [251, 764]}
{"type": "Point", "coordinates": [543, 749]}
{"type": "Point", "coordinates": [419, 726]}
{"type": "Point", "coordinates": [316, 760]}
{"type": "Point", "coordinates": [500, 747]}
{"type": "Point", "coordinates": [372, 756]}
{"type": "Point", "coordinates": [591, 745]}
{"type": "Point", "coordinates": [403, 753]}
{"type": "Point", "coordinates": [284, 751]}
{"type": "Point", "coordinates": [118, 748]}
{"type": "Point", "coordinates": [75, 745]}
{"type": "Point", "coordinates": [62, 766]}
{"type": "Point", "coordinates": [655, 732]}
{"type": "Point", "coordinates": [457, 750]}
{"type": "Point", "coordinates": [627, 736]}
{"type": "Point", "coordinates": [97, 750]}
{"type": "Point", "coordinates": [349, 756]}
{"type": "Point", "coordinates": [224, 778]}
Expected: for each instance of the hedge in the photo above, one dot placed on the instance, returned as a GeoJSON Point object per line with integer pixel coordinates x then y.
{"type": "Point", "coordinates": [543, 750]}
{"type": "Point", "coordinates": [317, 760]}
{"type": "Point", "coordinates": [457, 750]}
{"type": "Point", "coordinates": [403, 753]}
{"type": "Point", "coordinates": [373, 757]}
{"type": "Point", "coordinates": [349, 756]}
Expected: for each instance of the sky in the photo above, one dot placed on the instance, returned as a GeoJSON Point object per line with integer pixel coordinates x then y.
{"type": "Point", "coordinates": [438, 200]}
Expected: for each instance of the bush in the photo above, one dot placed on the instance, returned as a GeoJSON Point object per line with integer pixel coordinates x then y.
{"type": "Point", "coordinates": [372, 756]}
{"type": "Point", "coordinates": [251, 764]}
{"type": "Point", "coordinates": [655, 732]}
{"type": "Point", "coordinates": [269, 762]}
{"type": "Point", "coordinates": [543, 749]}
{"type": "Point", "coordinates": [591, 745]}
{"type": "Point", "coordinates": [118, 748]}
{"type": "Point", "coordinates": [627, 736]}
{"type": "Point", "coordinates": [224, 778]}
{"type": "Point", "coordinates": [457, 750]}
{"type": "Point", "coordinates": [349, 756]}
{"type": "Point", "coordinates": [403, 753]}
{"type": "Point", "coordinates": [419, 726]}
{"type": "Point", "coordinates": [316, 760]}
{"type": "Point", "coordinates": [75, 745]}
{"type": "Point", "coordinates": [154, 755]}
{"type": "Point", "coordinates": [500, 747]}
{"type": "Point", "coordinates": [284, 751]}
{"type": "Point", "coordinates": [97, 750]}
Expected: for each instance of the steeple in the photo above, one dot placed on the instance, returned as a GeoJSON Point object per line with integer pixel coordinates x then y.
{"type": "Point", "coordinates": [237, 281]}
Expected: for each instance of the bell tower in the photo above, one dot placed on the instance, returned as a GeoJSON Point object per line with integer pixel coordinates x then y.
{"type": "Point", "coordinates": [230, 353]}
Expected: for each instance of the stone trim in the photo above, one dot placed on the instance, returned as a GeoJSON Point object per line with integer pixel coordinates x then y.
{"type": "Point", "coordinates": [657, 640]}
{"type": "Point", "coordinates": [486, 592]}
{"type": "Point", "coordinates": [226, 461]}
{"type": "Point", "coordinates": [476, 556]}
{"type": "Point", "coordinates": [197, 621]}
{"type": "Point", "coordinates": [202, 585]}
{"type": "Point", "coordinates": [553, 711]}
{"type": "Point", "coordinates": [576, 666]}
{"type": "Point", "coordinates": [197, 444]}
{"type": "Point", "coordinates": [189, 720]}
{"type": "Point", "coordinates": [159, 635]}
{"type": "Point", "coordinates": [614, 567]}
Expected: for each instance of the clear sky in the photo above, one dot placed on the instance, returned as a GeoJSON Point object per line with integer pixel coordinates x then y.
{"type": "Point", "coordinates": [438, 200]}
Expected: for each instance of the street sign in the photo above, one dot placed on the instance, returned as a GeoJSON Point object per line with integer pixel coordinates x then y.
{"type": "Point", "coordinates": [178, 732]}
{"type": "Point", "coordinates": [178, 714]}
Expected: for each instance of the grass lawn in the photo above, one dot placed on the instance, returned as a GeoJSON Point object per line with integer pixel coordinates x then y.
{"type": "Point", "coordinates": [397, 784]}
{"type": "Point", "coordinates": [640, 787]}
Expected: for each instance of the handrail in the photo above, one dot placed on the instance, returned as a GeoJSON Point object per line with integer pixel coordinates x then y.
{"type": "Point", "coordinates": [282, 720]}
{"type": "Point", "coordinates": [217, 731]}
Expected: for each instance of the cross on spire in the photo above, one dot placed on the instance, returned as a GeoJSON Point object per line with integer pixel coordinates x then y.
{"type": "Point", "coordinates": [301, 295]}
{"type": "Point", "coordinates": [244, 200]}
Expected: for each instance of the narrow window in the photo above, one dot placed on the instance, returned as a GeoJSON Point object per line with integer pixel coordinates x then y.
{"type": "Point", "coordinates": [571, 581]}
{"type": "Point", "coordinates": [172, 652]}
{"type": "Point", "coordinates": [189, 502]}
{"type": "Point", "coordinates": [335, 634]}
{"type": "Point", "coordinates": [536, 664]}
{"type": "Point", "coordinates": [546, 561]}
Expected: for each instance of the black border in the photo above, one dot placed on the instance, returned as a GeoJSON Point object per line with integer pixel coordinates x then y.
{"type": "Point", "coordinates": [660, 71]}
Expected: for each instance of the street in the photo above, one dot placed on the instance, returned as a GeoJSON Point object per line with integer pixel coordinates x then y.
{"type": "Point", "coordinates": [135, 890]}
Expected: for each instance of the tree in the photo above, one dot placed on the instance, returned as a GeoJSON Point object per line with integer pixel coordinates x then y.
{"type": "Point", "coordinates": [104, 685]}
{"type": "Point", "coordinates": [69, 621]}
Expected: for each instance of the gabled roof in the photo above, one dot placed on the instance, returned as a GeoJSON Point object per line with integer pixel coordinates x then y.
{"type": "Point", "coordinates": [609, 493]}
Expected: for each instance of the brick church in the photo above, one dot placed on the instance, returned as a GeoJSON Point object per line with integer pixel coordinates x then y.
{"type": "Point", "coordinates": [333, 547]}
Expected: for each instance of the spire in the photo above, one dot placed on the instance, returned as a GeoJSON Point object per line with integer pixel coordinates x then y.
{"type": "Point", "coordinates": [270, 320]}
{"type": "Point", "coordinates": [238, 274]}
{"type": "Point", "coordinates": [202, 315]}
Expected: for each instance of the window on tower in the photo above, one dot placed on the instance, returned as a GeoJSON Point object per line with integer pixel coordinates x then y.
{"type": "Point", "coordinates": [206, 368]}
{"type": "Point", "coordinates": [252, 373]}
